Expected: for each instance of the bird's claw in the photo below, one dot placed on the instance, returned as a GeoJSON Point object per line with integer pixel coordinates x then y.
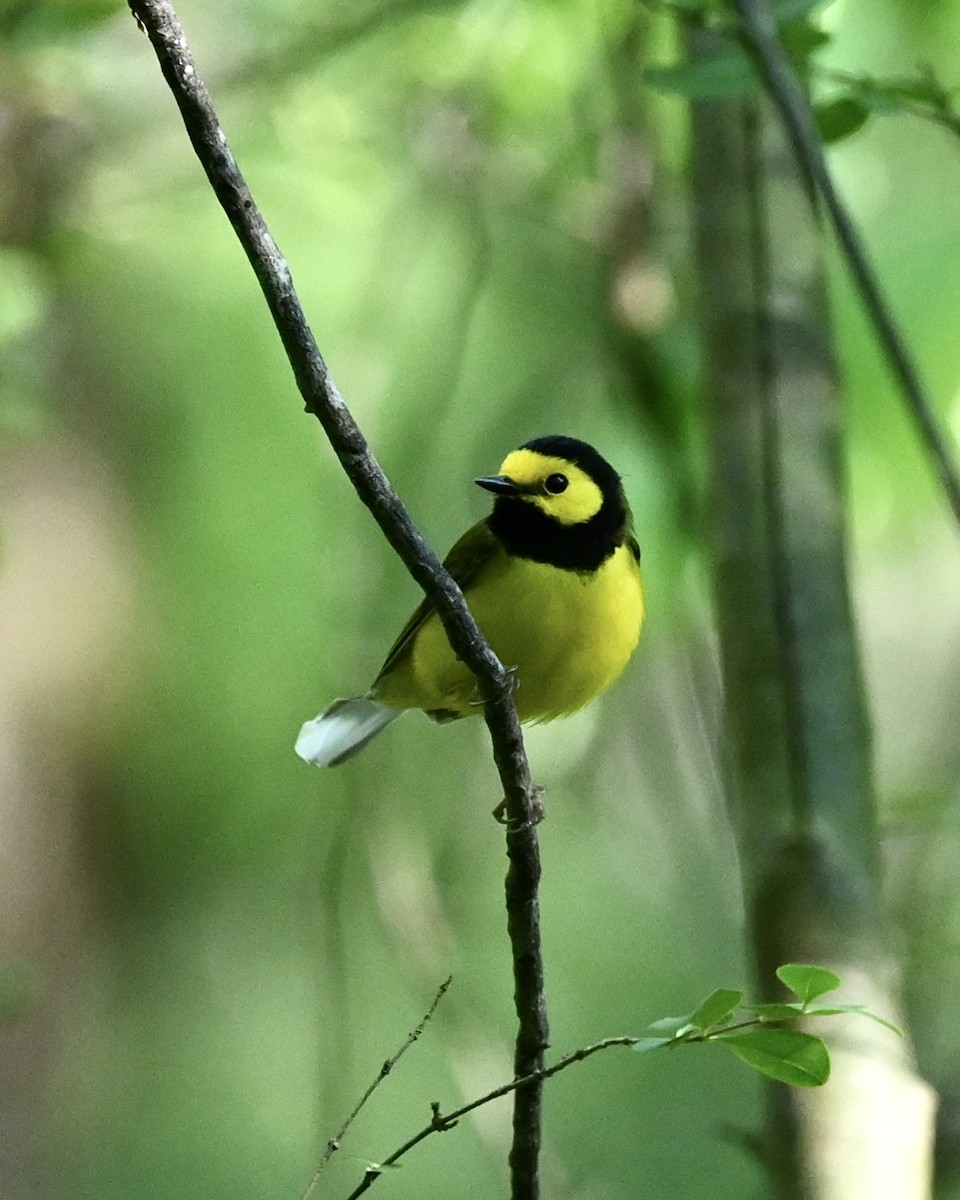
{"type": "Point", "coordinates": [511, 673]}
{"type": "Point", "coordinates": [537, 812]}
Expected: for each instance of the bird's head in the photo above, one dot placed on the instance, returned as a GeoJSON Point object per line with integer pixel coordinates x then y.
{"type": "Point", "coordinates": [566, 479]}
{"type": "Point", "coordinates": [558, 496]}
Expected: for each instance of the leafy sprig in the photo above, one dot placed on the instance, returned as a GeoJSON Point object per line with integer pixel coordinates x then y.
{"type": "Point", "coordinates": [854, 97]}
{"type": "Point", "coordinates": [761, 1035]}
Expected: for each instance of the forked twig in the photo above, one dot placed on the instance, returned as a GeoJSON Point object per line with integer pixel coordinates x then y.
{"type": "Point", "coordinates": [440, 1122]}
{"type": "Point", "coordinates": [333, 1145]}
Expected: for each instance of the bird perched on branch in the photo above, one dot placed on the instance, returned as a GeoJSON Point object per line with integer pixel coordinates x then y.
{"type": "Point", "coordinates": [552, 576]}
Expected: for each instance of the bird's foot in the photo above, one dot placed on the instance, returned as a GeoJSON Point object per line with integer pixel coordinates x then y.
{"type": "Point", "coordinates": [478, 701]}
{"type": "Point", "coordinates": [537, 812]}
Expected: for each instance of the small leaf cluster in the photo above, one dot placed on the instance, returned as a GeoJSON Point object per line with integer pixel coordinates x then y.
{"type": "Point", "coordinates": [759, 1034]}
{"type": "Point", "coordinates": [920, 95]}
{"type": "Point", "coordinates": [853, 100]}
{"type": "Point", "coordinates": [731, 71]}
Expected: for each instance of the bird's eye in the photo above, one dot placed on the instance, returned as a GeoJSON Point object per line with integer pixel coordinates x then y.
{"type": "Point", "coordinates": [555, 484]}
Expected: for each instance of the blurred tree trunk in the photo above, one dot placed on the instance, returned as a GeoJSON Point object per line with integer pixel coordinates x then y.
{"type": "Point", "coordinates": [799, 753]}
{"type": "Point", "coordinates": [65, 607]}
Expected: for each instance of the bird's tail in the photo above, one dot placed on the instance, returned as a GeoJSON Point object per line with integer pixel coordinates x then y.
{"type": "Point", "coordinates": [345, 728]}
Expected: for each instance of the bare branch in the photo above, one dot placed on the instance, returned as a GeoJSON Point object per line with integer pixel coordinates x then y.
{"type": "Point", "coordinates": [322, 398]}
{"type": "Point", "coordinates": [440, 1123]}
{"type": "Point", "coordinates": [333, 1145]}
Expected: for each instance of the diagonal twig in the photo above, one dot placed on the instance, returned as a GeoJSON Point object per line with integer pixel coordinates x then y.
{"type": "Point", "coordinates": [322, 398]}
{"type": "Point", "coordinates": [441, 1122]}
{"type": "Point", "coordinates": [333, 1145]}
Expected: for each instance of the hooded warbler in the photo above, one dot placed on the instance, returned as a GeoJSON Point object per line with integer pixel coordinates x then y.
{"type": "Point", "coordinates": [552, 576]}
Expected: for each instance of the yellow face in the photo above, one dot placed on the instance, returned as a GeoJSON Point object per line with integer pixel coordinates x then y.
{"type": "Point", "coordinates": [541, 481]}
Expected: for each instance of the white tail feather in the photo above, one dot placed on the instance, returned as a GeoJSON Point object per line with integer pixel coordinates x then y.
{"type": "Point", "coordinates": [345, 728]}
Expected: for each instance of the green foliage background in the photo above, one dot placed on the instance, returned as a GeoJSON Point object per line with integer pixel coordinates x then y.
{"type": "Point", "coordinates": [208, 949]}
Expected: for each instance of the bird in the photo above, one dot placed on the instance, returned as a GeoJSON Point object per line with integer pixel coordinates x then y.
{"type": "Point", "coordinates": [552, 576]}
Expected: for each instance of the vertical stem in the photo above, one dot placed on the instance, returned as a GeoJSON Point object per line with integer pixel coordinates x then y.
{"type": "Point", "coordinates": [523, 923]}
{"type": "Point", "coordinates": [523, 811]}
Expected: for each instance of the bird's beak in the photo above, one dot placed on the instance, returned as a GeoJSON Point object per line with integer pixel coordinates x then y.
{"type": "Point", "coordinates": [500, 485]}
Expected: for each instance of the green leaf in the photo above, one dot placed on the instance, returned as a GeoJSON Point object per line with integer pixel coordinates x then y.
{"type": "Point", "coordinates": [671, 1025]}
{"type": "Point", "coordinates": [839, 118]}
{"type": "Point", "coordinates": [727, 74]}
{"type": "Point", "coordinates": [717, 1008]}
{"type": "Point", "coordinates": [921, 89]}
{"type": "Point", "coordinates": [877, 100]}
{"type": "Point", "coordinates": [801, 39]}
{"type": "Point", "coordinates": [786, 1055]}
{"type": "Point", "coordinates": [832, 1010]}
{"type": "Point", "coordinates": [808, 982]}
{"type": "Point", "coordinates": [778, 1012]}
{"type": "Point", "coordinates": [646, 1044]}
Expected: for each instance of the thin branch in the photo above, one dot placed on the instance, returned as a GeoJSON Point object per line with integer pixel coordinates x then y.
{"type": "Point", "coordinates": [759, 33]}
{"type": "Point", "coordinates": [333, 1145]}
{"type": "Point", "coordinates": [938, 107]}
{"type": "Point", "coordinates": [533, 1034]}
{"type": "Point", "coordinates": [324, 401]}
{"type": "Point", "coordinates": [440, 1122]}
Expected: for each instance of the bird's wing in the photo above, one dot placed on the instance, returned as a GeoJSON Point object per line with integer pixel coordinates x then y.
{"type": "Point", "coordinates": [466, 560]}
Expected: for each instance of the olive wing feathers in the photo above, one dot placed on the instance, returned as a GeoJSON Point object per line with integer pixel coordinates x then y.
{"type": "Point", "coordinates": [465, 562]}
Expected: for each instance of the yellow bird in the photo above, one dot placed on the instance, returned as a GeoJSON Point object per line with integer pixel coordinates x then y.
{"type": "Point", "coordinates": [552, 576]}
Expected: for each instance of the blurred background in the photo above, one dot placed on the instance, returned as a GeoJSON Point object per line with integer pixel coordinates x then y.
{"type": "Point", "coordinates": [207, 949]}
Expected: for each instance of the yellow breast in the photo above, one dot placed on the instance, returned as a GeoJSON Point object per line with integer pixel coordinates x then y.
{"type": "Point", "coordinates": [567, 635]}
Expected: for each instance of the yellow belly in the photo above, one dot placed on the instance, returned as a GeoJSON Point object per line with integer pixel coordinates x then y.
{"type": "Point", "coordinates": [568, 637]}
